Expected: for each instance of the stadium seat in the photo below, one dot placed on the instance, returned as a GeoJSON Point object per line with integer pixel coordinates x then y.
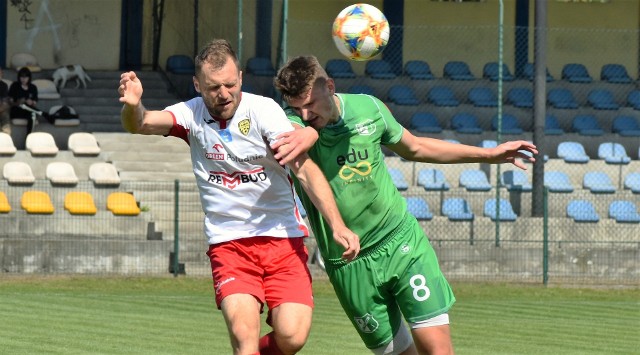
{"type": "Point", "coordinates": [432, 180]}
{"type": "Point", "coordinates": [561, 98]}
{"type": "Point", "coordinates": [339, 69]}
{"type": "Point", "coordinates": [80, 203]}
{"type": "Point", "coordinates": [520, 97]}
{"type": "Point", "coordinates": [474, 180]}
{"type": "Point", "coordinates": [5, 206]}
{"type": "Point", "coordinates": [46, 89]}
{"type": "Point", "coordinates": [551, 126]}
{"type": "Point", "coordinates": [633, 99]}
{"type": "Point", "coordinates": [510, 124]}
{"type": "Point", "coordinates": [529, 72]}
{"type": "Point", "coordinates": [41, 144]}
{"type": "Point", "coordinates": [457, 70]}
{"type": "Point", "coordinates": [419, 208]}
{"type": "Point", "coordinates": [418, 70]}
{"type": "Point", "coordinates": [424, 122]}
{"type": "Point", "coordinates": [482, 97]}
{"type": "Point", "coordinates": [490, 71]}
{"type": "Point", "coordinates": [598, 182]}
{"type": "Point", "coordinates": [466, 123]}
{"type": "Point", "coordinates": [402, 95]}
{"type": "Point", "coordinates": [586, 125]}
{"type": "Point", "coordinates": [615, 73]}
{"type": "Point", "coordinates": [572, 152]}
{"type": "Point", "coordinates": [18, 173]}
{"type": "Point", "coordinates": [613, 153]}
{"type": "Point", "coordinates": [626, 126]}
{"type": "Point", "coordinates": [180, 64]}
{"type": "Point", "coordinates": [246, 87]}
{"type": "Point", "coordinates": [602, 99]}
{"type": "Point", "coordinates": [28, 60]}
{"type": "Point", "coordinates": [36, 202]}
{"type": "Point", "coordinates": [506, 210]}
{"type": "Point", "coordinates": [362, 89]}
{"type": "Point", "coordinates": [557, 181]}
{"type": "Point", "coordinates": [64, 116]}
{"type": "Point", "coordinates": [442, 96]}
{"type": "Point", "coordinates": [582, 211]}
{"type": "Point", "coordinates": [6, 145]}
{"type": "Point", "coordinates": [83, 144]}
{"type": "Point", "coordinates": [515, 180]}
{"type": "Point", "coordinates": [61, 173]}
{"type": "Point", "coordinates": [104, 174]}
{"type": "Point", "coordinates": [457, 209]}
{"type": "Point", "coordinates": [632, 182]}
{"type": "Point", "coordinates": [398, 179]}
{"type": "Point", "coordinates": [576, 73]}
{"type": "Point", "coordinates": [122, 204]}
{"type": "Point", "coordinates": [379, 69]}
{"type": "Point", "coordinates": [260, 66]}
{"type": "Point", "coordinates": [624, 211]}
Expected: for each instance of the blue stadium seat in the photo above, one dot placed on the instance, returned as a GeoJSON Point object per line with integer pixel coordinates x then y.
{"type": "Point", "coordinates": [398, 179]}
{"type": "Point", "coordinates": [246, 87]}
{"type": "Point", "coordinates": [515, 180]}
{"type": "Point", "coordinates": [482, 97]}
{"type": "Point", "coordinates": [576, 73]}
{"type": "Point", "coordinates": [260, 66]}
{"type": "Point", "coordinates": [582, 211]}
{"type": "Point", "coordinates": [551, 126]}
{"type": "Point", "coordinates": [419, 208]}
{"type": "Point", "coordinates": [510, 124]}
{"type": "Point", "coordinates": [402, 95]}
{"type": "Point", "coordinates": [624, 211]}
{"type": "Point", "coordinates": [457, 209]}
{"type": "Point", "coordinates": [432, 180]}
{"type": "Point", "coordinates": [339, 69]}
{"type": "Point", "coordinates": [602, 99]}
{"type": "Point", "coordinates": [633, 99]}
{"type": "Point", "coordinates": [466, 123]}
{"type": "Point", "coordinates": [379, 69]}
{"type": "Point", "coordinates": [615, 73]}
{"type": "Point", "coordinates": [180, 64]}
{"type": "Point", "coordinates": [626, 126]}
{"type": "Point", "coordinates": [425, 122]}
{"type": "Point", "coordinates": [490, 71]}
{"type": "Point", "coordinates": [613, 153]}
{"type": "Point", "coordinates": [529, 72]}
{"type": "Point", "coordinates": [598, 182]}
{"type": "Point", "coordinates": [586, 125]}
{"type": "Point", "coordinates": [632, 182]}
{"type": "Point", "coordinates": [457, 70]}
{"type": "Point", "coordinates": [557, 181]}
{"type": "Point", "coordinates": [442, 96]}
{"type": "Point", "coordinates": [474, 180]}
{"type": "Point", "coordinates": [362, 89]}
{"type": "Point", "coordinates": [520, 97]}
{"type": "Point", "coordinates": [418, 70]}
{"type": "Point", "coordinates": [506, 210]}
{"type": "Point", "coordinates": [562, 98]}
{"type": "Point", "coordinates": [572, 152]}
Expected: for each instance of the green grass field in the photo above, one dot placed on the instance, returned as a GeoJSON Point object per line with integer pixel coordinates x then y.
{"type": "Point", "coordinates": [81, 315]}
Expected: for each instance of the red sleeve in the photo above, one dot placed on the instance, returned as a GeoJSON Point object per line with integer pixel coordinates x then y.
{"type": "Point", "coordinates": [178, 131]}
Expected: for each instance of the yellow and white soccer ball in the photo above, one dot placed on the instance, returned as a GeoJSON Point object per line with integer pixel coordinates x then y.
{"type": "Point", "coordinates": [360, 32]}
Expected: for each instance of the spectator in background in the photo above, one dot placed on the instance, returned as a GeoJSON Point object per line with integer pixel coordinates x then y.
{"type": "Point", "coordinates": [24, 92]}
{"type": "Point", "coordinates": [5, 120]}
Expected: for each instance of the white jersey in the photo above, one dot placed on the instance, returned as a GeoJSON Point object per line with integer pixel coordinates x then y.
{"type": "Point", "coordinates": [244, 191]}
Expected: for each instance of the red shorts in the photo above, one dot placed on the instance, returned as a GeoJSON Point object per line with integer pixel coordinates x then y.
{"type": "Point", "coordinates": [273, 270]}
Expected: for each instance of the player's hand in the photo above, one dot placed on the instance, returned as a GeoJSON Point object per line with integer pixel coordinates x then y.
{"type": "Point", "coordinates": [130, 89]}
{"type": "Point", "coordinates": [349, 241]}
{"type": "Point", "coordinates": [291, 144]}
{"type": "Point", "coordinates": [513, 152]}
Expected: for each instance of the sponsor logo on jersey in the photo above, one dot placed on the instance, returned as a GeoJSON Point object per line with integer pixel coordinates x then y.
{"type": "Point", "coordinates": [367, 323]}
{"type": "Point", "coordinates": [366, 128]}
{"type": "Point", "coordinates": [405, 248]}
{"type": "Point", "coordinates": [354, 165]}
{"type": "Point", "coordinates": [234, 179]}
{"type": "Point", "coordinates": [244, 126]}
{"type": "Point", "coordinates": [225, 134]}
{"type": "Point", "coordinates": [219, 152]}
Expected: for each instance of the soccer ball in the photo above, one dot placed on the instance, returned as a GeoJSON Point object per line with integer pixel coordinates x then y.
{"type": "Point", "coordinates": [360, 32]}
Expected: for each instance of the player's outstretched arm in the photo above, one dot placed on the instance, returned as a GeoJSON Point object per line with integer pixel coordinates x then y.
{"type": "Point", "coordinates": [134, 117]}
{"type": "Point", "coordinates": [316, 186]}
{"type": "Point", "coordinates": [290, 145]}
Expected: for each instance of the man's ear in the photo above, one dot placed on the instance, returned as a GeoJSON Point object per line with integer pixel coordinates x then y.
{"type": "Point", "coordinates": [331, 86]}
{"type": "Point", "coordinates": [196, 84]}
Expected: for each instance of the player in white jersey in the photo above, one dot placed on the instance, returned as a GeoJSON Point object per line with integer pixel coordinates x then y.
{"type": "Point", "coordinates": [251, 221]}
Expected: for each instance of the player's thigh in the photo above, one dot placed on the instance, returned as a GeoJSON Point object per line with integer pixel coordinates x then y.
{"type": "Point", "coordinates": [242, 314]}
{"type": "Point", "coordinates": [292, 320]}
{"type": "Point", "coordinates": [433, 340]}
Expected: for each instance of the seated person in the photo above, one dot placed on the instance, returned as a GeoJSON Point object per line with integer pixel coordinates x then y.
{"type": "Point", "coordinates": [23, 95]}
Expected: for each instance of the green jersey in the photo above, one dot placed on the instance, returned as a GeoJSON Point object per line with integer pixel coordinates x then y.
{"type": "Point", "coordinates": [350, 155]}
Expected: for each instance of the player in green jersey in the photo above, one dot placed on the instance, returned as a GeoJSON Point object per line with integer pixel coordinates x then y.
{"type": "Point", "coordinates": [397, 272]}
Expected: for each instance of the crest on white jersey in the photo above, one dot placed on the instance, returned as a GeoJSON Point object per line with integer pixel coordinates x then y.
{"type": "Point", "coordinates": [244, 126]}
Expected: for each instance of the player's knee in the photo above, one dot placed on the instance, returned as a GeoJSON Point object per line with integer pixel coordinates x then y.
{"type": "Point", "coordinates": [291, 343]}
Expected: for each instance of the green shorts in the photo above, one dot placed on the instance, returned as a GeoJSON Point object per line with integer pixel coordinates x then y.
{"type": "Point", "coordinates": [399, 277]}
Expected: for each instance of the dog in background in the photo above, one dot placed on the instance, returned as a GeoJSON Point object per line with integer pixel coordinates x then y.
{"type": "Point", "coordinates": [69, 72]}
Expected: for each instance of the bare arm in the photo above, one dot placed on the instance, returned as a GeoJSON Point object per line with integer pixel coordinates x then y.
{"type": "Point", "coordinates": [316, 186]}
{"type": "Point", "coordinates": [135, 118]}
{"type": "Point", "coordinates": [429, 150]}
{"type": "Point", "coordinates": [291, 144]}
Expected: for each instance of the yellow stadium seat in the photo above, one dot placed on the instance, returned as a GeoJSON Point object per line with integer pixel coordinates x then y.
{"type": "Point", "coordinates": [5, 207]}
{"type": "Point", "coordinates": [80, 202]}
{"type": "Point", "coordinates": [122, 204]}
{"type": "Point", "coordinates": [36, 202]}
